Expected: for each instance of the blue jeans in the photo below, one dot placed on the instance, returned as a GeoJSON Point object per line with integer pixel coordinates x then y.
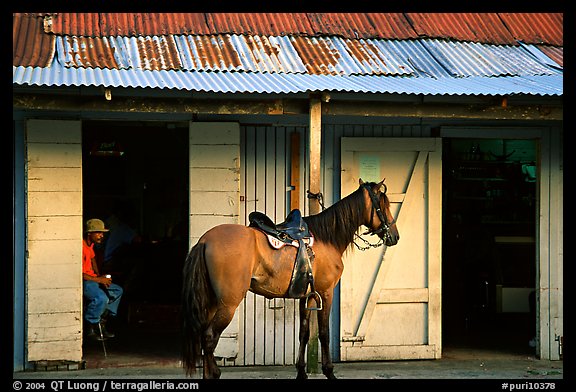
{"type": "Point", "coordinates": [98, 299]}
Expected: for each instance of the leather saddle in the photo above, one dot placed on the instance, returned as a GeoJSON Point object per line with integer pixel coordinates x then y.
{"type": "Point", "coordinates": [294, 228]}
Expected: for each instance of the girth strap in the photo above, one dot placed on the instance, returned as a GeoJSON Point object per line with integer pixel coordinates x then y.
{"type": "Point", "coordinates": [302, 272]}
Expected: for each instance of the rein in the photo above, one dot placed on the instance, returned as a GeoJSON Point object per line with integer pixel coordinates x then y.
{"type": "Point", "coordinates": [384, 225]}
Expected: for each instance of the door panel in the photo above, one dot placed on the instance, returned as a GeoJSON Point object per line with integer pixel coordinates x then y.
{"type": "Point", "coordinates": [215, 194]}
{"type": "Point", "coordinates": [390, 297]}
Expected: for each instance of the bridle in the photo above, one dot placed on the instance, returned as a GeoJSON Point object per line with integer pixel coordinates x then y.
{"type": "Point", "coordinates": [384, 224]}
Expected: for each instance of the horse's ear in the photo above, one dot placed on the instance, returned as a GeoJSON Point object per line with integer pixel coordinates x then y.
{"type": "Point", "coordinates": [360, 181]}
{"type": "Point", "coordinates": [378, 187]}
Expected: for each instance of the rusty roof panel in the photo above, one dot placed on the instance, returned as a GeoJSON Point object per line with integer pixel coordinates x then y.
{"type": "Point", "coordinates": [239, 53]}
{"type": "Point", "coordinates": [30, 46]}
{"type": "Point", "coordinates": [495, 28]}
{"type": "Point", "coordinates": [158, 52]}
{"type": "Point", "coordinates": [276, 24]}
{"type": "Point", "coordinates": [474, 27]}
{"type": "Point", "coordinates": [90, 53]}
{"type": "Point", "coordinates": [77, 23]}
{"type": "Point", "coordinates": [556, 54]}
{"type": "Point", "coordinates": [362, 25]}
{"type": "Point", "coordinates": [150, 53]}
{"type": "Point", "coordinates": [340, 56]}
{"type": "Point", "coordinates": [313, 55]}
{"type": "Point", "coordinates": [536, 28]}
{"type": "Point", "coordinates": [321, 55]}
{"type": "Point", "coordinates": [127, 24]}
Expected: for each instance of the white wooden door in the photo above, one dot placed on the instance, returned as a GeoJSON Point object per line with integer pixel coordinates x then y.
{"type": "Point", "coordinates": [391, 296]}
{"type": "Point", "coordinates": [215, 194]}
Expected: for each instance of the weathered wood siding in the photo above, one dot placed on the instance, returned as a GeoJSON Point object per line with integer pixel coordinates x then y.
{"type": "Point", "coordinates": [54, 240]}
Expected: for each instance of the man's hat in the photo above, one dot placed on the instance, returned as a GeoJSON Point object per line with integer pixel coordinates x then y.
{"type": "Point", "coordinates": [95, 226]}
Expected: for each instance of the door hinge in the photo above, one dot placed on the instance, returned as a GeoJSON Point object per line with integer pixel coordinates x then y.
{"type": "Point", "coordinates": [352, 338]}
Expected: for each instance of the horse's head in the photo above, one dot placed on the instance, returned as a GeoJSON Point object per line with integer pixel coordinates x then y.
{"type": "Point", "coordinates": [379, 219]}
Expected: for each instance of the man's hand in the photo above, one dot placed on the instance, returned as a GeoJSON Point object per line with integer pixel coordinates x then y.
{"type": "Point", "coordinates": [104, 280]}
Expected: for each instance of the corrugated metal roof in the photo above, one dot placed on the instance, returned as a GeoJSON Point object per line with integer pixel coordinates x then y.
{"type": "Point", "coordinates": [276, 24]}
{"type": "Point", "coordinates": [462, 59]}
{"type": "Point", "coordinates": [289, 63]}
{"type": "Point", "coordinates": [556, 54]}
{"type": "Point", "coordinates": [495, 28]}
{"type": "Point", "coordinates": [30, 46]}
{"type": "Point", "coordinates": [536, 28]}
{"type": "Point", "coordinates": [348, 25]}
{"type": "Point", "coordinates": [237, 82]}
{"type": "Point", "coordinates": [313, 55]}
{"type": "Point", "coordinates": [126, 24]}
{"type": "Point", "coordinates": [362, 25]}
{"type": "Point", "coordinates": [321, 55]}
{"type": "Point", "coordinates": [475, 27]}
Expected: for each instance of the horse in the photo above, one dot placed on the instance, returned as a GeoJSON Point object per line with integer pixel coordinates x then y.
{"type": "Point", "coordinates": [231, 259]}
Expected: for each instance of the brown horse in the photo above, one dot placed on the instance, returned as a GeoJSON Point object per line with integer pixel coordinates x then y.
{"type": "Point", "coordinates": [229, 260]}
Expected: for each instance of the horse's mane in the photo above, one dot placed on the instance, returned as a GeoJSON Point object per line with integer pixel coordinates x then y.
{"type": "Point", "coordinates": [338, 223]}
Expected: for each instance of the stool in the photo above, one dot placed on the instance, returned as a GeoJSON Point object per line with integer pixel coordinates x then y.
{"type": "Point", "coordinates": [99, 330]}
{"type": "Point", "coordinates": [102, 339]}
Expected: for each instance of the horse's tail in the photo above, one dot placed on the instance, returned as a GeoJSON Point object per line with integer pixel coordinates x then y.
{"type": "Point", "coordinates": [196, 299]}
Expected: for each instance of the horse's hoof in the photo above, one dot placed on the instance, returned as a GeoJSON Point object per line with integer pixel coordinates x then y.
{"type": "Point", "coordinates": [301, 376]}
{"type": "Point", "coordinates": [329, 372]}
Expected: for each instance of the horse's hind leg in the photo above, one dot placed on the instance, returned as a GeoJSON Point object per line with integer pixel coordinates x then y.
{"type": "Point", "coordinates": [219, 322]}
{"type": "Point", "coordinates": [324, 335]}
{"type": "Point", "coordinates": [303, 336]}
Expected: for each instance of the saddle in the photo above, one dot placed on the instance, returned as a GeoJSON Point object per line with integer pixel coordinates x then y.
{"type": "Point", "coordinates": [293, 229]}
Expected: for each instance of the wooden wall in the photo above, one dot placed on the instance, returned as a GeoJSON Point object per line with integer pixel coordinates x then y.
{"type": "Point", "coordinates": [243, 168]}
{"type": "Point", "coordinates": [54, 240]}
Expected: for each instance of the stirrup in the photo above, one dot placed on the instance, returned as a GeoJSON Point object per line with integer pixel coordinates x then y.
{"type": "Point", "coordinates": [317, 298]}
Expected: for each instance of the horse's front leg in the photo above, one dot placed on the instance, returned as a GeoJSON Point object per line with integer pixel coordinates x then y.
{"type": "Point", "coordinates": [303, 335]}
{"type": "Point", "coordinates": [324, 335]}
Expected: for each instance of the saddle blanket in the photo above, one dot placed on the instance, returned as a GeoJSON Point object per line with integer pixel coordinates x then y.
{"type": "Point", "coordinates": [277, 244]}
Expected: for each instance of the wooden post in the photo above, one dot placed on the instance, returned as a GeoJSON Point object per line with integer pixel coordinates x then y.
{"type": "Point", "coordinates": [314, 208]}
{"type": "Point", "coordinates": [295, 171]}
{"type": "Point", "coordinates": [314, 145]}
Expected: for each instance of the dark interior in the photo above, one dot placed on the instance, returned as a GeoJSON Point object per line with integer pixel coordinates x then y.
{"type": "Point", "coordinates": [139, 173]}
{"type": "Point", "coordinates": [489, 249]}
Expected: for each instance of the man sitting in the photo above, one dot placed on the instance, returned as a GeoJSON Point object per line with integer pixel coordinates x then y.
{"type": "Point", "coordinates": [101, 295]}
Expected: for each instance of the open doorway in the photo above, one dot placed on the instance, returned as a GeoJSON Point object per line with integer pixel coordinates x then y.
{"type": "Point", "coordinates": [135, 176]}
{"type": "Point", "coordinates": [489, 244]}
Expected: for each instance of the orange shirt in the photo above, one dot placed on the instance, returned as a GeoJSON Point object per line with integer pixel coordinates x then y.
{"type": "Point", "coordinates": [87, 255]}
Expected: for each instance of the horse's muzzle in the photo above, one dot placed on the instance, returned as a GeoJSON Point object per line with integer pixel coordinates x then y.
{"type": "Point", "coordinates": [390, 236]}
{"type": "Point", "coordinates": [392, 240]}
